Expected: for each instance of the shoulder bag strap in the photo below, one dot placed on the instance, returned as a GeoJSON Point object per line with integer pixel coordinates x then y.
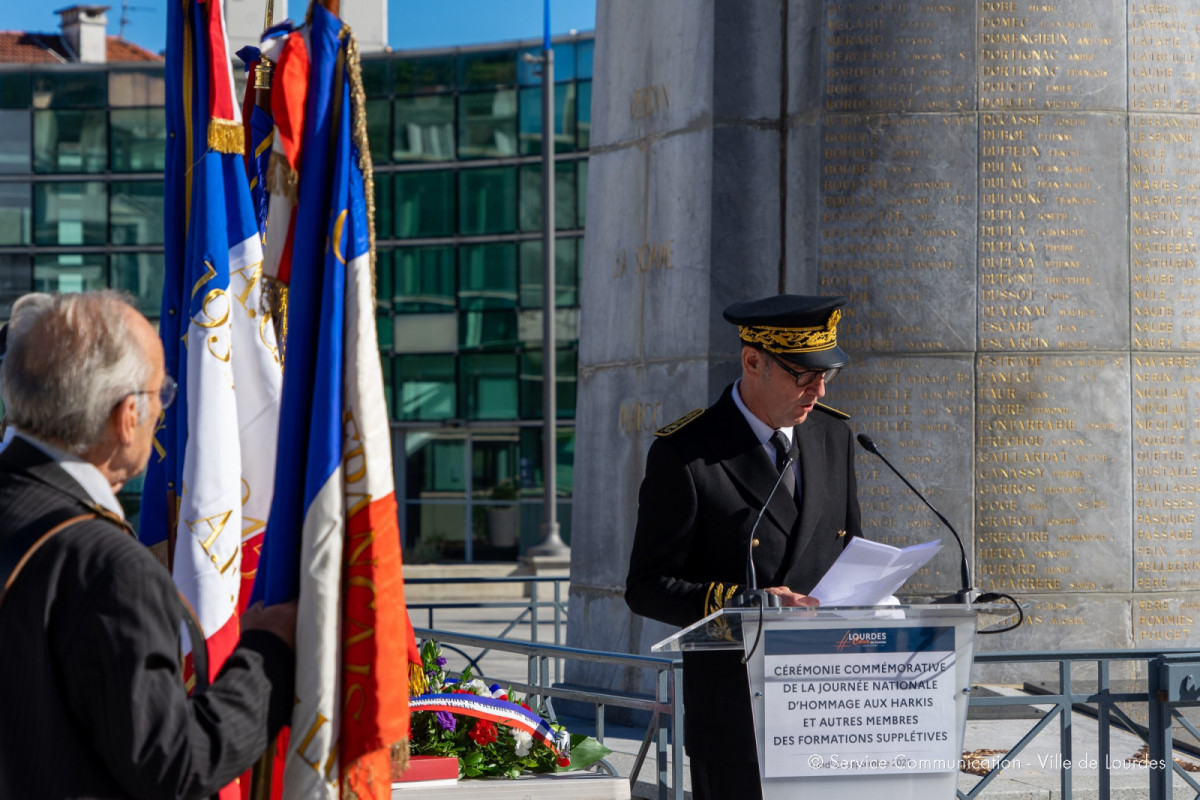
{"type": "Point", "coordinates": [17, 551]}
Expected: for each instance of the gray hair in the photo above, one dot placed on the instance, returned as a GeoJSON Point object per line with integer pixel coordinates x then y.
{"type": "Point", "coordinates": [69, 364]}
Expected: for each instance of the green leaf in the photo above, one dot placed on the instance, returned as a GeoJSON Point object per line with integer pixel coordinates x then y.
{"type": "Point", "coordinates": [585, 751]}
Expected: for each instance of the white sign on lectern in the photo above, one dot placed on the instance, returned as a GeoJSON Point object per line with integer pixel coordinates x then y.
{"type": "Point", "coordinates": [867, 702]}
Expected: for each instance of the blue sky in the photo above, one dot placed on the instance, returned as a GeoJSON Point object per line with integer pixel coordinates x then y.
{"type": "Point", "coordinates": [411, 23]}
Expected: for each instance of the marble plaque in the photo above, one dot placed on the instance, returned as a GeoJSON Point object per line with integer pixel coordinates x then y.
{"type": "Point", "coordinates": [1052, 241]}
{"type": "Point", "coordinates": [1052, 486]}
{"type": "Point", "coordinates": [911, 406]}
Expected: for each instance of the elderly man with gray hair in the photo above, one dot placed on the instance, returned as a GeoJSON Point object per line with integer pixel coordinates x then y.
{"type": "Point", "coordinates": [90, 680]}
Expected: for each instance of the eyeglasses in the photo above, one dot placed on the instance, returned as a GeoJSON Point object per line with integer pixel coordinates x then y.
{"type": "Point", "coordinates": [806, 377]}
{"type": "Point", "coordinates": [166, 394]}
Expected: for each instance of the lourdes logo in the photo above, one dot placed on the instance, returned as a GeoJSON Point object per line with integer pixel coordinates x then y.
{"type": "Point", "coordinates": [868, 639]}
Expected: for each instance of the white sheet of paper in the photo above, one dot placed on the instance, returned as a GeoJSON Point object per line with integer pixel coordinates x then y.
{"type": "Point", "coordinates": [867, 572]}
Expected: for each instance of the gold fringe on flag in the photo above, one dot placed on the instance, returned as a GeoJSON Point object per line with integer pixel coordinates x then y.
{"type": "Point", "coordinates": [358, 110]}
{"type": "Point", "coordinates": [399, 758]}
{"type": "Point", "coordinates": [281, 178]}
{"type": "Point", "coordinates": [417, 684]}
{"type": "Point", "coordinates": [226, 136]}
{"type": "Point", "coordinates": [274, 304]}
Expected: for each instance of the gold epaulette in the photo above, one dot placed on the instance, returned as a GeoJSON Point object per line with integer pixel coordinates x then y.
{"type": "Point", "coordinates": [670, 428]}
{"type": "Point", "coordinates": [833, 412]}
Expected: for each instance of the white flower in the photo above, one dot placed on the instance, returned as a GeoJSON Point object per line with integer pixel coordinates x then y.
{"type": "Point", "coordinates": [478, 687]}
{"type": "Point", "coordinates": [523, 742]}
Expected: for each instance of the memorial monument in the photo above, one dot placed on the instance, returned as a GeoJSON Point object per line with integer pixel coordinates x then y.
{"type": "Point", "coordinates": [1009, 193]}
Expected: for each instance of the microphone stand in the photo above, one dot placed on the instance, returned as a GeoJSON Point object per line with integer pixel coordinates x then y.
{"type": "Point", "coordinates": [963, 595]}
{"type": "Point", "coordinates": [752, 596]}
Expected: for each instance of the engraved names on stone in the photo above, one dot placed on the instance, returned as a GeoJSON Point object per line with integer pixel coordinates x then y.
{"type": "Point", "coordinates": [1049, 483]}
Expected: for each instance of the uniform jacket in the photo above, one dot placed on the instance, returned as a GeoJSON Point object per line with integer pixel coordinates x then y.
{"type": "Point", "coordinates": [705, 484]}
{"type": "Point", "coordinates": [92, 700]}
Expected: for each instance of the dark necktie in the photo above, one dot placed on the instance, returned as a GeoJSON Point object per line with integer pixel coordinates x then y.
{"type": "Point", "coordinates": [782, 453]}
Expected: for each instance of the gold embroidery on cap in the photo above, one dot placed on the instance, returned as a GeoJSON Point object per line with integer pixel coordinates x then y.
{"type": "Point", "coordinates": [793, 340]}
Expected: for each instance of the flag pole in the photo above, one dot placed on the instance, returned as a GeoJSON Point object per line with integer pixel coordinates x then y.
{"type": "Point", "coordinates": [551, 544]}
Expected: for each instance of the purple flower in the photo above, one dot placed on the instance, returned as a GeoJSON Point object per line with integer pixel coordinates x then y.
{"type": "Point", "coordinates": [441, 661]}
{"type": "Point", "coordinates": [446, 720]}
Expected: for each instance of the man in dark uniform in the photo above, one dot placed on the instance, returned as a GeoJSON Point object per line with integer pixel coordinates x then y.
{"type": "Point", "coordinates": [91, 689]}
{"type": "Point", "coordinates": [707, 477]}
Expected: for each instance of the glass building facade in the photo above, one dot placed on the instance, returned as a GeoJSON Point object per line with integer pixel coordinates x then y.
{"type": "Point", "coordinates": [457, 146]}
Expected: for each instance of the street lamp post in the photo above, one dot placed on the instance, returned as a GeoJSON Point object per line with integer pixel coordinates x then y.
{"type": "Point", "coordinates": [551, 544]}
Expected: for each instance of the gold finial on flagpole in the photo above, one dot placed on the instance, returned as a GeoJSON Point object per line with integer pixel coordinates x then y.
{"type": "Point", "coordinates": [262, 72]}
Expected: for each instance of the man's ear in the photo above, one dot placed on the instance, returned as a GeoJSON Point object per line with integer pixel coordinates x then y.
{"type": "Point", "coordinates": [123, 420]}
{"type": "Point", "coordinates": [751, 360]}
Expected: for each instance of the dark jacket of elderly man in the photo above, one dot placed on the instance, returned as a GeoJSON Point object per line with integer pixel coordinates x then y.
{"type": "Point", "coordinates": [93, 698]}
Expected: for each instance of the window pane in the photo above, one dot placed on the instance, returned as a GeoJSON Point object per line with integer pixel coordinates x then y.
{"type": "Point", "coordinates": [529, 72]}
{"type": "Point", "coordinates": [583, 112]}
{"type": "Point", "coordinates": [385, 211]}
{"type": "Point", "coordinates": [424, 203]}
{"type": "Point", "coordinates": [583, 59]}
{"type": "Point", "coordinates": [529, 327]}
{"type": "Point", "coordinates": [376, 76]}
{"type": "Point", "coordinates": [421, 75]}
{"type": "Point", "coordinates": [487, 200]}
{"type": "Point", "coordinates": [566, 273]}
{"type": "Point", "coordinates": [531, 453]}
{"type": "Point", "coordinates": [69, 272]}
{"type": "Point", "coordinates": [564, 196]}
{"type": "Point", "coordinates": [581, 178]}
{"type": "Point", "coordinates": [16, 279]}
{"type": "Point", "coordinates": [564, 119]}
{"type": "Point", "coordinates": [488, 330]}
{"type": "Point", "coordinates": [480, 70]}
{"type": "Point", "coordinates": [70, 89]}
{"type": "Point", "coordinates": [435, 484]}
{"type": "Point", "coordinates": [139, 88]}
{"type": "Point", "coordinates": [14, 90]}
{"type": "Point", "coordinates": [531, 384]}
{"type": "Point", "coordinates": [16, 212]}
{"type": "Point", "coordinates": [424, 279]}
{"type": "Point", "coordinates": [70, 213]}
{"type": "Point", "coordinates": [424, 128]}
{"type": "Point", "coordinates": [425, 333]}
{"type": "Point", "coordinates": [488, 386]}
{"type": "Point", "coordinates": [135, 212]}
{"type": "Point", "coordinates": [487, 276]}
{"type": "Point", "coordinates": [14, 143]}
{"type": "Point", "coordinates": [487, 124]}
{"type": "Point", "coordinates": [384, 332]}
{"type": "Point", "coordinates": [379, 130]}
{"type": "Point", "coordinates": [426, 387]}
{"type": "Point", "coordinates": [140, 274]}
{"type": "Point", "coordinates": [70, 141]}
{"type": "Point", "coordinates": [139, 139]}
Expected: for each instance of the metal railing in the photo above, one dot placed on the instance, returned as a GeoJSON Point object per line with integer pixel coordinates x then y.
{"type": "Point", "coordinates": [1165, 693]}
{"type": "Point", "coordinates": [665, 729]}
{"type": "Point", "coordinates": [530, 611]}
{"type": "Point", "coordinates": [1100, 705]}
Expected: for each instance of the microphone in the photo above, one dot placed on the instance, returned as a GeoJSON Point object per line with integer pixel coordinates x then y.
{"type": "Point", "coordinates": [963, 595]}
{"type": "Point", "coordinates": [752, 595]}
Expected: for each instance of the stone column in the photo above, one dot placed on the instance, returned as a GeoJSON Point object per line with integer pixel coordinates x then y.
{"type": "Point", "coordinates": [1008, 191]}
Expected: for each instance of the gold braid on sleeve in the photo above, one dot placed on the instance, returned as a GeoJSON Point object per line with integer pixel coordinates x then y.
{"type": "Point", "coordinates": [717, 597]}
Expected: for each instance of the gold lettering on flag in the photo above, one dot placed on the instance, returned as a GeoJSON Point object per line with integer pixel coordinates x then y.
{"type": "Point", "coordinates": [354, 465]}
{"type": "Point", "coordinates": [210, 272]}
{"type": "Point", "coordinates": [335, 242]}
{"type": "Point", "coordinates": [251, 274]}
{"type": "Point", "coordinates": [330, 762]}
{"type": "Point", "coordinates": [216, 524]}
{"type": "Point", "coordinates": [161, 425]}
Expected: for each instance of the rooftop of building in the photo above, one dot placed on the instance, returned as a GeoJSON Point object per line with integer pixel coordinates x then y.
{"type": "Point", "coordinates": [28, 47]}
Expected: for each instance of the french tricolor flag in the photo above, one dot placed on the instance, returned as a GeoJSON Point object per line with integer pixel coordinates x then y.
{"type": "Point", "coordinates": [333, 536]}
{"type": "Point", "coordinates": [208, 486]}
